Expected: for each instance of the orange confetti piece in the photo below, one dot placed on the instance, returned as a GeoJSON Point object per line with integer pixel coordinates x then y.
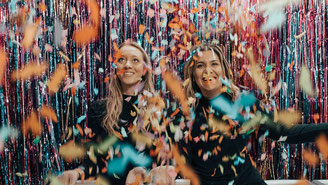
{"type": "Point", "coordinates": [3, 65]}
{"type": "Point", "coordinates": [49, 112]}
{"type": "Point", "coordinates": [175, 113]}
{"type": "Point", "coordinates": [302, 181]}
{"type": "Point", "coordinates": [192, 28]}
{"type": "Point", "coordinates": [73, 91]}
{"type": "Point", "coordinates": [95, 12]}
{"type": "Point", "coordinates": [226, 14]}
{"type": "Point", "coordinates": [195, 10]}
{"type": "Point", "coordinates": [28, 71]}
{"type": "Point", "coordinates": [148, 38]}
{"type": "Point", "coordinates": [322, 144]}
{"type": "Point", "coordinates": [42, 7]}
{"type": "Point", "coordinates": [56, 79]}
{"type": "Point", "coordinates": [256, 73]}
{"type": "Point", "coordinates": [316, 117]}
{"type": "Point", "coordinates": [79, 128]}
{"type": "Point", "coordinates": [106, 79]}
{"type": "Point", "coordinates": [241, 73]}
{"type": "Point", "coordinates": [176, 89]}
{"type": "Point", "coordinates": [288, 118]}
{"type": "Point", "coordinates": [214, 172]}
{"type": "Point", "coordinates": [85, 35]}
{"type": "Point", "coordinates": [141, 29]}
{"type": "Point", "coordinates": [186, 171]}
{"type": "Point", "coordinates": [32, 123]}
{"type": "Point", "coordinates": [291, 65]}
{"type": "Point", "coordinates": [71, 150]}
{"type": "Point", "coordinates": [311, 158]}
{"type": "Point", "coordinates": [29, 35]}
{"type": "Point", "coordinates": [120, 72]}
{"type": "Point", "coordinates": [76, 65]}
{"type": "Point", "coordinates": [174, 26]}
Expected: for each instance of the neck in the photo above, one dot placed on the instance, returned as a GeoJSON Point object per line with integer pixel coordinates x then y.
{"type": "Point", "coordinates": [130, 90]}
{"type": "Point", "coordinates": [211, 94]}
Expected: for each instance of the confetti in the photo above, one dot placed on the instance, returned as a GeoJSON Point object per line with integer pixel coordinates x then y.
{"type": "Point", "coordinates": [256, 74]}
{"type": "Point", "coordinates": [21, 174]}
{"type": "Point", "coordinates": [29, 70]}
{"type": "Point", "coordinates": [85, 35]}
{"type": "Point", "coordinates": [185, 170]}
{"type": "Point", "coordinates": [30, 32]}
{"type": "Point", "coordinates": [275, 20]}
{"type": "Point", "coordinates": [141, 29]}
{"type": "Point", "coordinates": [302, 181]}
{"type": "Point", "coordinates": [148, 39]}
{"type": "Point", "coordinates": [32, 123]}
{"type": "Point", "coordinates": [3, 65]}
{"type": "Point", "coordinates": [300, 35]}
{"type": "Point", "coordinates": [305, 82]}
{"type": "Point", "coordinates": [48, 112]}
{"type": "Point", "coordinates": [311, 158]}
{"type": "Point", "coordinates": [322, 144]}
{"type": "Point", "coordinates": [95, 12]}
{"type": "Point", "coordinates": [176, 89]}
{"type": "Point", "coordinates": [288, 118]}
{"type": "Point", "coordinates": [56, 79]}
{"type": "Point", "coordinates": [142, 138]}
{"type": "Point", "coordinates": [218, 125]}
{"type": "Point", "coordinates": [71, 151]}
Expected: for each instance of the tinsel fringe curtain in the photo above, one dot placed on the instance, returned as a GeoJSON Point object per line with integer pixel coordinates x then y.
{"type": "Point", "coordinates": [120, 21]}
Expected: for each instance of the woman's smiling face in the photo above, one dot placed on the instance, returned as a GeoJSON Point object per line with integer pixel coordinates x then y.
{"type": "Point", "coordinates": [207, 72]}
{"type": "Point", "coordinates": [130, 66]}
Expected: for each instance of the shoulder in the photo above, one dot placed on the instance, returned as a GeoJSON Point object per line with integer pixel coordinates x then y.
{"type": "Point", "coordinates": [98, 107]}
{"type": "Point", "coordinates": [95, 115]}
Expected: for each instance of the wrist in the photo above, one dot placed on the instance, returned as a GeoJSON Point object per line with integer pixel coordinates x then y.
{"type": "Point", "coordinates": [81, 174]}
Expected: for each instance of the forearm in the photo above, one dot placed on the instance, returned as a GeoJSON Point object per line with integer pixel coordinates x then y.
{"type": "Point", "coordinates": [301, 133]}
{"type": "Point", "coordinates": [305, 133]}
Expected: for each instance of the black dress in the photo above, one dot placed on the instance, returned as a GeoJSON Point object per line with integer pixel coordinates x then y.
{"type": "Point", "coordinates": [125, 155]}
{"type": "Point", "coordinates": [222, 159]}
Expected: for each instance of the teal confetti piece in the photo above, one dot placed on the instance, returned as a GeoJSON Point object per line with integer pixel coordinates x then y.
{"type": "Point", "coordinates": [80, 119]}
{"type": "Point", "coordinates": [76, 100]}
{"type": "Point", "coordinates": [123, 132]}
{"type": "Point", "coordinates": [268, 68]}
{"type": "Point", "coordinates": [36, 140]}
{"type": "Point", "coordinates": [81, 85]}
{"type": "Point", "coordinates": [75, 131]}
{"type": "Point", "coordinates": [95, 90]}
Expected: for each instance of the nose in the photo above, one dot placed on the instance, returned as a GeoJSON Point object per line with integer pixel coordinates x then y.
{"type": "Point", "coordinates": [128, 64]}
{"type": "Point", "coordinates": [208, 70]}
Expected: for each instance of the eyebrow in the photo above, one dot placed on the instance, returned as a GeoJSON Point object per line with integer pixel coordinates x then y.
{"type": "Point", "coordinates": [209, 61]}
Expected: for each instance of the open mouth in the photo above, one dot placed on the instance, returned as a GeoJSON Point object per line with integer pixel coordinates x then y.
{"type": "Point", "coordinates": [209, 79]}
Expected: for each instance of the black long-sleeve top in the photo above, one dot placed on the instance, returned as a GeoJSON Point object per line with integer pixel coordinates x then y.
{"type": "Point", "coordinates": [222, 159]}
{"type": "Point", "coordinates": [95, 115]}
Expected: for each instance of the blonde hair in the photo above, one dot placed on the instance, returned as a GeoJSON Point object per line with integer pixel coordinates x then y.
{"type": "Point", "coordinates": [114, 100]}
{"type": "Point", "coordinates": [189, 68]}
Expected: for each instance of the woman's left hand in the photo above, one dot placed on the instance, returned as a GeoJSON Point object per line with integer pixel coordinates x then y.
{"type": "Point", "coordinates": [136, 175]}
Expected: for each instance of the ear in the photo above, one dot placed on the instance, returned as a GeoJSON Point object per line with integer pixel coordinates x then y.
{"type": "Point", "coordinates": [145, 71]}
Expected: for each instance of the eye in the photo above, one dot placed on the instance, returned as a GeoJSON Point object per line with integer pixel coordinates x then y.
{"type": "Point", "coordinates": [135, 60]}
{"type": "Point", "coordinates": [121, 60]}
{"type": "Point", "coordinates": [199, 65]}
{"type": "Point", "coordinates": [215, 64]}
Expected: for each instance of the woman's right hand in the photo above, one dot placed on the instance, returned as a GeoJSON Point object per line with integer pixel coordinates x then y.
{"type": "Point", "coordinates": [68, 177]}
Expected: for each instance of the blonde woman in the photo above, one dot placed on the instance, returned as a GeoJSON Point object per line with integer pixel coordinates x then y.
{"type": "Point", "coordinates": [116, 114]}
